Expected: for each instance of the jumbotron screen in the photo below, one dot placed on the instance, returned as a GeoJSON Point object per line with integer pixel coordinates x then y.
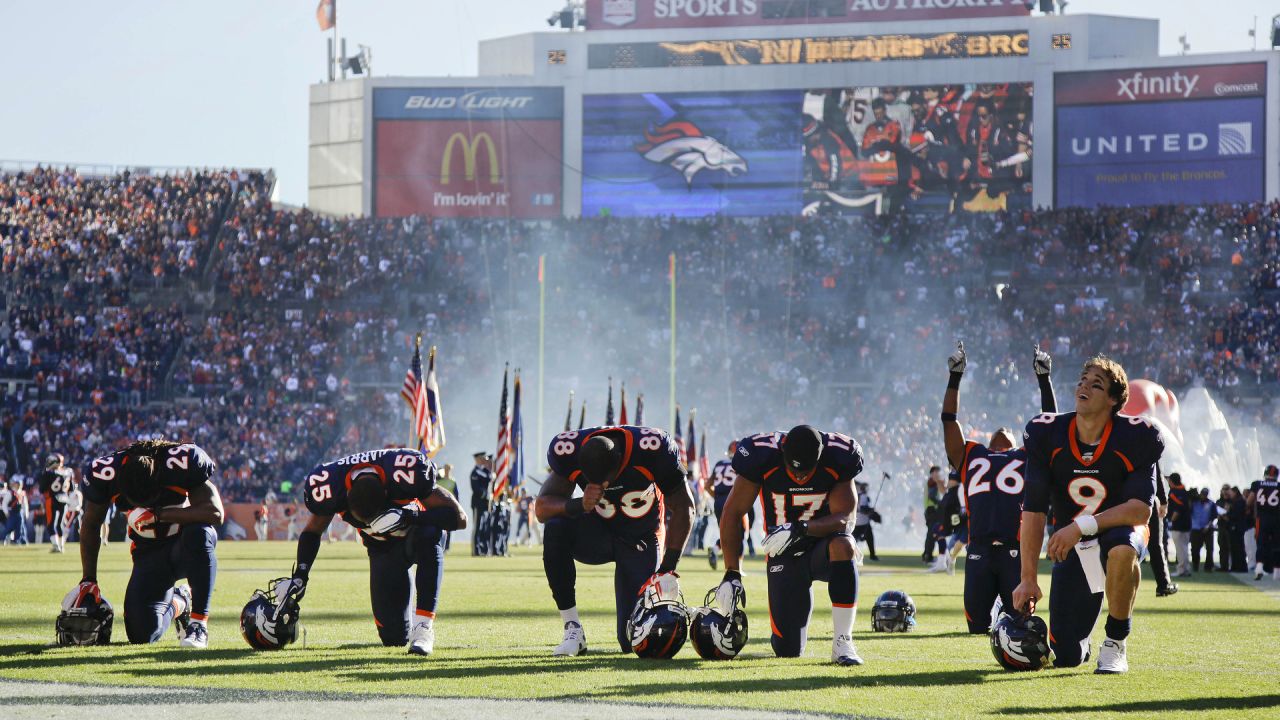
{"type": "Point", "coordinates": [950, 148]}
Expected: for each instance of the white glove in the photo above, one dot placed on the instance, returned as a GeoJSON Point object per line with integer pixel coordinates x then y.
{"type": "Point", "coordinates": [391, 522]}
{"type": "Point", "coordinates": [288, 589]}
{"type": "Point", "coordinates": [783, 537]}
{"type": "Point", "coordinates": [662, 586]}
{"type": "Point", "coordinates": [72, 599]}
{"type": "Point", "coordinates": [1043, 362]}
{"type": "Point", "coordinates": [730, 593]}
{"type": "Point", "coordinates": [957, 362]}
{"type": "Point", "coordinates": [142, 522]}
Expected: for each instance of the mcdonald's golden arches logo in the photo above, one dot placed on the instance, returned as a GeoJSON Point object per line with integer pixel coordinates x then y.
{"type": "Point", "coordinates": [469, 148]}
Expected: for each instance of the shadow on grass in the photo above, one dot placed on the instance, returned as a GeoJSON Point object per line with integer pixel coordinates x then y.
{"type": "Point", "coordinates": [808, 683]}
{"type": "Point", "coordinates": [1253, 702]}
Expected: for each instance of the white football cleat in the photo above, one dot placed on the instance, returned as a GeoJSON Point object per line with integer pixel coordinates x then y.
{"type": "Point", "coordinates": [575, 641]}
{"type": "Point", "coordinates": [1111, 658]}
{"type": "Point", "coordinates": [939, 565]}
{"type": "Point", "coordinates": [843, 652]}
{"type": "Point", "coordinates": [422, 639]}
{"type": "Point", "coordinates": [951, 564]}
{"type": "Point", "coordinates": [196, 636]}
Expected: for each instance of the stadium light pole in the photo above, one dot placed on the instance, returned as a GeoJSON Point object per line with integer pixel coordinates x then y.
{"type": "Point", "coordinates": [542, 325]}
{"type": "Point", "coordinates": [671, 406]}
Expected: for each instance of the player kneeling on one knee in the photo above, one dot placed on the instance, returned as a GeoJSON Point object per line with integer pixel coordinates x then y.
{"type": "Point", "coordinates": [1098, 468]}
{"type": "Point", "coordinates": [166, 490]}
{"type": "Point", "coordinates": [627, 474]}
{"type": "Point", "coordinates": [391, 498]}
{"type": "Point", "coordinates": [805, 481]}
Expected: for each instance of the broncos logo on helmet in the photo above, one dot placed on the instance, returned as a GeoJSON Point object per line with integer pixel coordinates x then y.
{"type": "Point", "coordinates": [269, 622]}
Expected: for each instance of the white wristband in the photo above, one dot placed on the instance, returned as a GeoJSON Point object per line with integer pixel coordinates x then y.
{"type": "Point", "coordinates": [1088, 525]}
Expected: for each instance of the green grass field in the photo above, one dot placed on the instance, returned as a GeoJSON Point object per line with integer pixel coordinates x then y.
{"type": "Point", "coordinates": [1213, 649]}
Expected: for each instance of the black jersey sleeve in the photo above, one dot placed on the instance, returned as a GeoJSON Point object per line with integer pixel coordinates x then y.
{"type": "Point", "coordinates": [1147, 447]}
{"type": "Point", "coordinates": [323, 491]}
{"type": "Point", "coordinates": [1037, 440]}
{"type": "Point", "coordinates": [755, 456]}
{"type": "Point", "coordinates": [663, 461]}
{"type": "Point", "coordinates": [845, 456]}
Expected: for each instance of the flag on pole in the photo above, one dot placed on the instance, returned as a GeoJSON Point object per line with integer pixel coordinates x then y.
{"type": "Point", "coordinates": [502, 462]}
{"type": "Point", "coordinates": [608, 408]}
{"type": "Point", "coordinates": [582, 416]}
{"type": "Point", "coordinates": [428, 428]}
{"type": "Point", "coordinates": [435, 409]}
{"type": "Point", "coordinates": [327, 14]}
{"type": "Point", "coordinates": [692, 455]}
{"type": "Point", "coordinates": [640, 409]}
{"type": "Point", "coordinates": [516, 437]}
{"type": "Point", "coordinates": [622, 410]}
{"type": "Point", "coordinates": [679, 437]}
{"type": "Point", "coordinates": [703, 463]}
{"type": "Point", "coordinates": [568, 417]}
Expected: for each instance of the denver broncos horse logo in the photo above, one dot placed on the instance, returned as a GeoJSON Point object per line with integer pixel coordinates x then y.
{"type": "Point", "coordinates": [682, 145]}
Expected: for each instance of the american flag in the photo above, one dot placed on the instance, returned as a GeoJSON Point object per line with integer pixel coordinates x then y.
{"type": "Point", "coordinates": [424, 401]}
{"type": "Point", "coordinates": [502, 464]}
{"type": "Point", "coordinates": [679, 437]}
{"type": "Point", "coordinates": [516, 437]}
{"type": "Point", "coordinates": [703, 463]}
{"type": "Point", "coordinates": [622, 410]}
{"type": "Point", "coordinates": [692, 456]}
{"type": "Point", "coordinates": [640, 409]}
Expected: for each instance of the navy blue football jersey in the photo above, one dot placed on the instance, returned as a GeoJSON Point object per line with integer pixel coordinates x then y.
{"type": "Point", "coordinates": [1079, 479]}
{"type": "Point", "coordinates": [759, 460]}
{"type": "Point", "coordinates": [722, 477]}
{"type": "Point", "coordinates": [409, 477]}
{"type": "Point", "coordinates": [992, 485]}
{"type": "Point", "coordinates": [632, 504]}
{"type": "Point", "coordinates": [181, 469]}
{"type": "Point", "coordinates": [1266, 501]}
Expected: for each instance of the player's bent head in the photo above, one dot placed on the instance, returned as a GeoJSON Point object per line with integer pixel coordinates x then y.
{"type": "Point", "coordinates": [1001, 440]}
{"type": "Point", "coordinates": [1117, 379]}
{"type": "Point", "coordinates": [367, 498]}
{"type": "Point", "coordinates": [599, 459]}
{"type": "Point", "coordinates": [1271, 473]}
{"type": "Point", "coordinates": [802, 449]}
{"type": "Point", "coordinates": [138, 479]}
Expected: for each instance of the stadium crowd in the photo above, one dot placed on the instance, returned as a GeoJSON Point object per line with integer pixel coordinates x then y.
{"type": "Point", "coordinates": [304, 331]}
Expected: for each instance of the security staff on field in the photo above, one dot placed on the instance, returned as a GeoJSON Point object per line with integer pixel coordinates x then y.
{"type": "Point", "coordinates": [481, 479]}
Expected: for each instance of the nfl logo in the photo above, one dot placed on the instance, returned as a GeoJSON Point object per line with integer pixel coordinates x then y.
{"type": "Point", "coordinates": [619, 12]}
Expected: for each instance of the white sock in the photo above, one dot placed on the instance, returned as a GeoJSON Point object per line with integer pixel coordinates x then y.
{"type": "Point", "coordinates": [842, 619]}
{"type": "Point", "coordinates": [570, 616]}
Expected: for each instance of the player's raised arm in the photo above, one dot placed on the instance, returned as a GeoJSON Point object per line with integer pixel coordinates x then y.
{"type": "Point", "coordinates": [1043, 364]}
{"type": "Point", "coordinates": [952, 435]}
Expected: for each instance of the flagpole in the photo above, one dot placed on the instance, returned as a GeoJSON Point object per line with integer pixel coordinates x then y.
{"type": "Point", "coordinates": [671, 406]}
{"type": "Point", "coordinates": [542, 324]}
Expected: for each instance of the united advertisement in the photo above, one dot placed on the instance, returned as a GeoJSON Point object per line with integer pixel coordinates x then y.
{"type": "Point", "coordinates": [468, 152]}
{"type": "Point", "coordinates": [1191, 134]}
{"type": "Point", "coordinates": [667, 14]}
{"type": "Point", "coordinates": [957, 148]}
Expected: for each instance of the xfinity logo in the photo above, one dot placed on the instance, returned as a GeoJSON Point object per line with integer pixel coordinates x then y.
{"type": "Point", "coordinates": [856, 5]}
{"type": "Point", "coordinates": [474, 100]}
{"type": "Point", "coordinates": [1142, 85]}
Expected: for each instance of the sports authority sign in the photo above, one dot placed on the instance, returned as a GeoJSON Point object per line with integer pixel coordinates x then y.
{"type": "Point", "coordinates": [666, 14]}
{"type": "Point", "coordinates": [468, 152]}
{"type": "Point", "coordinates": [1185, 82]}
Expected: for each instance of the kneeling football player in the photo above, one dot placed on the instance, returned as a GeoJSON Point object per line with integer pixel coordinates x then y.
{"type": "Point", "coordinates": [627, 475]}
{"type": "Point", "coordinates": [1096, 470]}
{"type": "Point", "coordinates": [173, 509]}
{"type": "Point", "coordinates": [391, 498]}
{"type": "Point", "coordinates": [805, 481]}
